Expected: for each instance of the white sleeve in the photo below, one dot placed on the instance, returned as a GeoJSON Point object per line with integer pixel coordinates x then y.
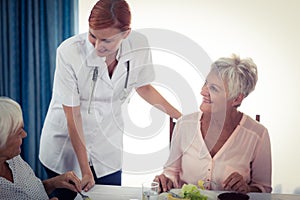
{"type": "Point", "coordinates": [65, 87]}
{"type": "Point", "coordinates": [142, 69]}
{"type": "Point", "coordinates": [146, 74]}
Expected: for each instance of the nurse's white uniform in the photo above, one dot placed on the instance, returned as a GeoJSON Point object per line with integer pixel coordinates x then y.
{"type": "Point", "coordinates": [103, 126]}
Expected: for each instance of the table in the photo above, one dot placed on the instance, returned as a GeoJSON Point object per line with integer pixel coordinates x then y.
{"type": "Point", "coordinates": [106, 192]}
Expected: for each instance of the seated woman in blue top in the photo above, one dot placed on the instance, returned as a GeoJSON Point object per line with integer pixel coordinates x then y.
{"type": "Point", "coordinates": [17, 179]}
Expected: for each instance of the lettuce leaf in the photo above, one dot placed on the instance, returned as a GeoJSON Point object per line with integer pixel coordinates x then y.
{"type": "Point", "coordinates": [191, 191]}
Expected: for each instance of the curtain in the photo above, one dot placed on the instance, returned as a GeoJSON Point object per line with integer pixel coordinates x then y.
{"type": "Point", "coordinates": [30, 32]}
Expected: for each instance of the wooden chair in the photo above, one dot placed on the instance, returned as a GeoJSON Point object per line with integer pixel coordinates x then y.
{"type": "Point", "coordinates": [172, 125]}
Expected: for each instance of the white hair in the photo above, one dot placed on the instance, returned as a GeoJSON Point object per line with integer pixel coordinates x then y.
{"type": "Point", "coordinates": [240, 75]}
{"type": "Point", "coordinates": [10, 118]}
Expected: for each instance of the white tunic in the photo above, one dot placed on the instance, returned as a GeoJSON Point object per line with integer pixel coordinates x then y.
{"type": "Point", "coordinates": [103, 126]}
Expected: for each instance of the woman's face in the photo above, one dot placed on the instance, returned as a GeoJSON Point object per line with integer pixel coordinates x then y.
{"type": "Point", "coordinates": [13, 144]}
{"type": "Point", "coordinates": [215, 94]}
{"type": "Point", "coordinates": [107, 41]}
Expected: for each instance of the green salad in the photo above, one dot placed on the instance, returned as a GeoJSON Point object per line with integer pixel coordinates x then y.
{"type": "Point", "coordinates": [191, 192]}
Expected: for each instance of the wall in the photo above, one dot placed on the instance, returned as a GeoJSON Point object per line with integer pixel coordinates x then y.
{"type": "Point", "coordinates": [268, 31]}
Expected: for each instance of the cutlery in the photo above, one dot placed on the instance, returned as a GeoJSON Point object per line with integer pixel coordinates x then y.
{"type": "Point", "coordinates": [175, 195]}
{"type": "Point", "coordinates": [84, 197]}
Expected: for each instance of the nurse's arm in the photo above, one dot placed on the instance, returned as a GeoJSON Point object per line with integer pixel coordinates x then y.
{"type": "Point", "coordinates": [152, 96]}
{"type": "Point", "coordinates": [75, 129]}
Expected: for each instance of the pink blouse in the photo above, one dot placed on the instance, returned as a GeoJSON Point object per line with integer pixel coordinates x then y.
{"type": "Point", "coordinates": [247, 151]}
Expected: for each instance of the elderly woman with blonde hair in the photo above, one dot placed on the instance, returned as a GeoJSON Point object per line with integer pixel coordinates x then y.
{"type": "Point", "coordinates": [17, 179]}
{"type": "Point", "coordinates": [220, 146]}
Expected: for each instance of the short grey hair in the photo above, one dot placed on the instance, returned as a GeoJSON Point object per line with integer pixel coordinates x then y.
{"type": "Point", "coordinates": [240, 75]}
{"type": "Point", "coordinates": [10, 118]}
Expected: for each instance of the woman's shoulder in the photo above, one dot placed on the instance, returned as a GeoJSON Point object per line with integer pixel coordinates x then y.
{"type": "Point", "coordinates": [253, 126]}
{"type": "Point", "coordinates": [190, 117]}
{"type": "Point", "coordinates": [137, 40]}
{"type": "Point", "coordinates": [17, 159]}
{"type": "Point", "coordinates": [189, 121]}
{"type": "Point", "coordinates": [73, 41]}
{"type": "Point", "coordinates": [186, 129]}
{"type": "Point", "coordinates": [18, 162]}
{"type": "Point", "coordinates": [74, 49]}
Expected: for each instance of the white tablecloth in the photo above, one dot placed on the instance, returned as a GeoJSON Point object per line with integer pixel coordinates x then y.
{"type": "Point", "coordinates": [105, 192]}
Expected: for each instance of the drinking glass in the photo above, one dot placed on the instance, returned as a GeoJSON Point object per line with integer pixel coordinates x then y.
{"type": "Point", "coordinates": [150, 191]}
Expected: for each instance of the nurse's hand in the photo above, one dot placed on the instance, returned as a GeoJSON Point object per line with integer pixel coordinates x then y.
{"type": "Point", "coordinates": [87, 182]}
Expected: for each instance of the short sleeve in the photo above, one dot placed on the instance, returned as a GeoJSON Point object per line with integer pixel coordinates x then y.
{"type": "Point", "coordinates": [142, 69]}
{"type": "Point", "coordinates": [146, 74]}
{"type": "Point", "coordinates": [65, 87]}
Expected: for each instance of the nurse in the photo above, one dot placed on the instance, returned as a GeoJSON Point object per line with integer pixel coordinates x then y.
{"type": "Point", "coordinates": [95, 71]}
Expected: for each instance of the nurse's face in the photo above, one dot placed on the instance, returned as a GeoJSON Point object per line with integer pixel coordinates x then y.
{"type": "Point", "coordinates": [107, 41]}
{"type": "Point", "coordinates": [215, 94]}
{"type": "Point", "coordinates": [13, 144]}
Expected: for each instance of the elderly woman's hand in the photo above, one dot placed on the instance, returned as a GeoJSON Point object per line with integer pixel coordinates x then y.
{"type": "Point", "coordinates": [236, 182]}
{"type": "Point", "coordinates": [165, 184]}
{"type": "Point", "coordinates": [67, 180]}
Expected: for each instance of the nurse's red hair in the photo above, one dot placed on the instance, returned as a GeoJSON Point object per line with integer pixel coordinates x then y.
{"type": "Point", "coordinates": [110, 14]}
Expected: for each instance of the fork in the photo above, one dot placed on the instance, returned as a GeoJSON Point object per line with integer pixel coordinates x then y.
{"type": "Point", "coordinates": [175, 195]}
{"type": "Point", "coordinates": [84, 197]}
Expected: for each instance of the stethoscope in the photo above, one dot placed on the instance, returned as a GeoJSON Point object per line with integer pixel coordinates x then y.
{"type": "Point", "coordinates": [123, 94]}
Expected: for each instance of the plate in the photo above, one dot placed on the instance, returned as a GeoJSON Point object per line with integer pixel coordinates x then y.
{"type": "Point", "coordinates": [211, 195]}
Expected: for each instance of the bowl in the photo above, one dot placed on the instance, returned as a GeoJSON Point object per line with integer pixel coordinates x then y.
{"type": "Point", "coordinates": [233, 196]}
